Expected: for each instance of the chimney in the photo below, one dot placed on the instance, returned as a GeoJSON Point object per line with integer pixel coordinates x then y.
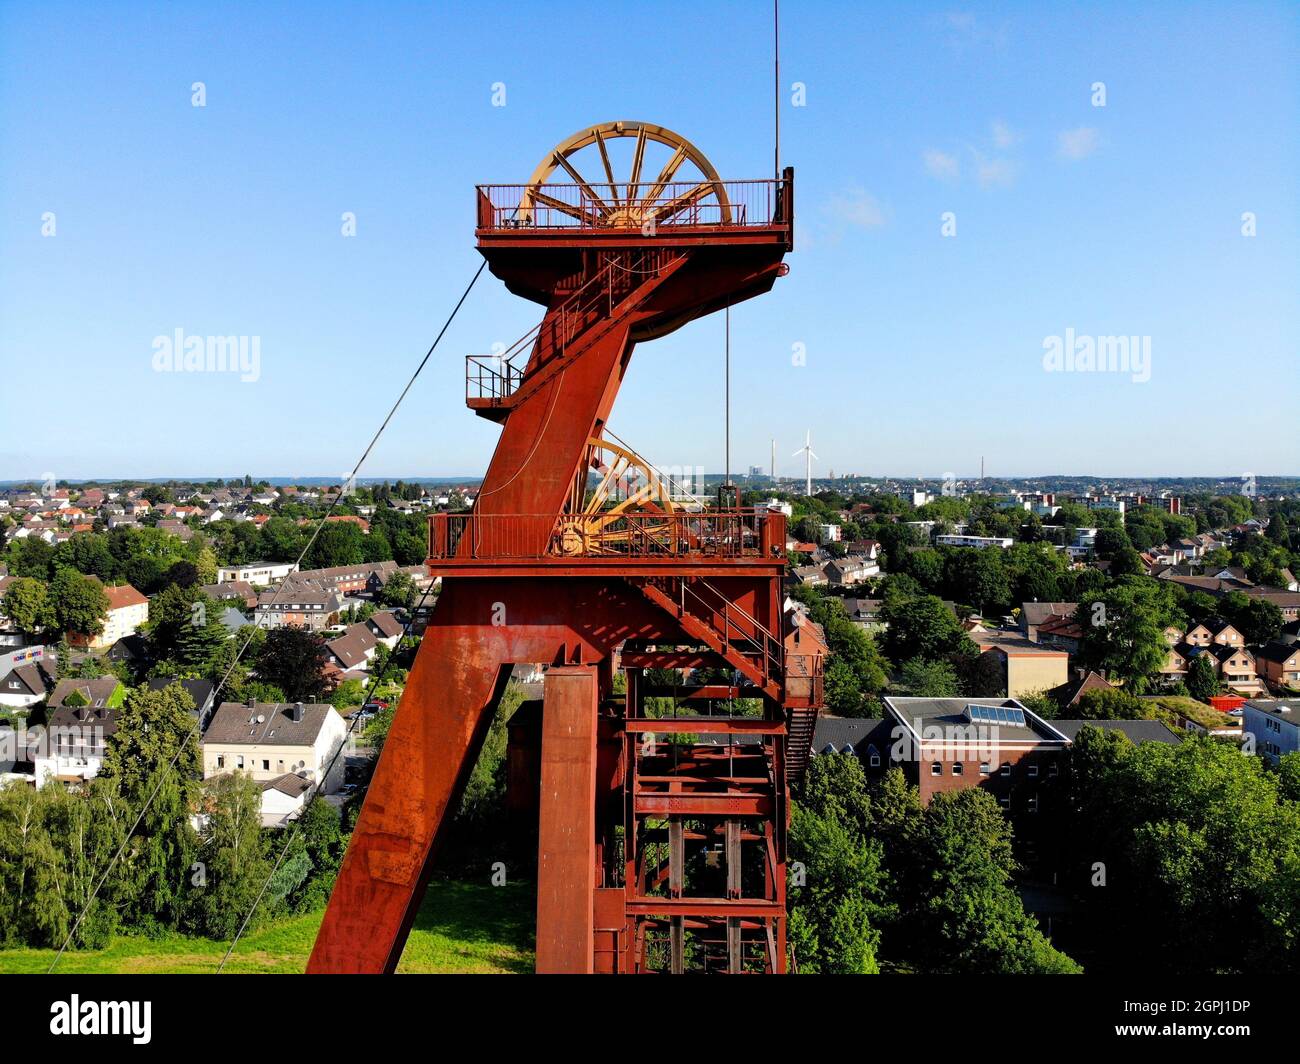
{"type": "Point", "coordinates": [297, 712]}
{"type": "Point", "coordinates": [252, 703]}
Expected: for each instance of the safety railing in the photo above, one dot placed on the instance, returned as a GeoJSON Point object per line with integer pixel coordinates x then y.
{"type": "Point", "coordinates": [494, 377]}
{"type": "Point", "coordinates": [645, 205]}
{"type": "Point", "coordinates": [491, 377]}
{"type": "Point", "coordinates": [738, 627]}
{"type": "Point", "coordinates": [746, 533]}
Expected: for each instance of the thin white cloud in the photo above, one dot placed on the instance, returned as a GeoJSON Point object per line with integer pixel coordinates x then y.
{"type": "Point", "coordinates": [941, 165]}
{"type": "Point", "coordinates": [1077, 143]}
{"type": "Point", "coordinates": [856, 207]}
{"type": "Point", "coordinates": [964, 30]}
{"type": "Point", "coordinates": [990, 172]}
{"type": "Point", "coordinates": [1004, 136]}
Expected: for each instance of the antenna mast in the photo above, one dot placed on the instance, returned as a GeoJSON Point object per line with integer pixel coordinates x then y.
{"type": "Point", "coordinates": [776, 86]}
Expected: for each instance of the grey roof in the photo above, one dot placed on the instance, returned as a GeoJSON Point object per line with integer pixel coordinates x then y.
{"type": "Point", "coordinates": [290, 783]}
{"type": "Point", "coordinates": [1287, 709]}
{"type": "Point", "coordinates": [350, 648]}
{"type": "Point", "coordinates": [387, 623]}
{"type": "Point", "coordinates": [230, 589]}
{"type": "Point", "coordinates": [36, 676]}
{"type": "Point", "coordinates": [296, 595]}
{"type": "Point", "coordinates": [1214, 625]}
{"type": "Point", "coordinates": [233, 619]}
{"type": "Point", "coordinates": [237, 723]}
{"type": "Point", "coordinates": [857, 732]}
{"type": "Point", "coordinates": [1032, 613]}
{"type": "Point", "coordinates": [82, 717]}
{"type": "Point", "coordinates": [1139, 731]}
{"type": "Point", "coordinates": [952, 712]}
{"type": "Point", "coordinates": [1277, 651]}
{"type": "Point", "coordinates": [96, 692]}
{"type": "Point", "coordinates": [862, 609]}
{"type": "Point", "coordinates": [198, 690]}
{"type": "Point", "coordinates": [1222, 651]}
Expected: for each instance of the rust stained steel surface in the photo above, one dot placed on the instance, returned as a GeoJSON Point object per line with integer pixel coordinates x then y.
{"type": "Point", "coordinates": [459, 674]}
{"type": "Point", "coordinates": [487, 619]}
{"type": "Point", "coordinates": [566, 846]}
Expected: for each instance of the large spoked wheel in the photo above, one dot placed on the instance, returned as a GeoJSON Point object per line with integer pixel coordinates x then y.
{"type": "Point", "coordinates": [687, 190]}
{"type": "Point", "coordinates": [631, 506]}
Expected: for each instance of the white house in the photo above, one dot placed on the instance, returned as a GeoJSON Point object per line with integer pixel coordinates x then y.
{"type": "Point", "coordinates": [283, 798]}
{"type": "Point", "coordinates": [127, 611]}
{"type": "Point", "coordinates": [261, 573]}
{"type": "Point", "coordinates": [974, 541]}
{"type": "Point", "coordinates": [26, 676]}
{"type": "Point", "coordinates": [1274, 724]}
{"type": "Point", "coordinates": [267, 740]}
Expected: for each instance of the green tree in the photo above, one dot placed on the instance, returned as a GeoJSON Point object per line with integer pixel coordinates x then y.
{"type": "Point", "coordinates": [27, 604]}
{"type": "Point", "coordinates": [1198, 850]}
{"type": "Point", "coordinates": [339, 543]}
{"type": "Point", "coordinates": [979, 577]}
{"type": "Point", "coordinates": [206, 564]}
{"type": "Point", "coordinates": [32, 557]}
{"type": "Point", "coordinates": [153, 760]}
{"type": "Point", "coordinates": [348, 694]}
{"type": "Point", "coordinates": [920, 628]}
{"type": "Point", "coordinates": [294, 660]}
{"type": "Point", "coordinates": [1202, 681]}
{"type": "Point", "coordinates": [77, 603]}
{"type": "Point", "coordinates": [1288, 777]}
{"type": "Point", "coordinates": [320, 827]}
{"type": "Point", "coordinates": [235, 864]}
{"type": "Point", "coordinates": [399, 590]}
{"type": "Point", "coordinates": [1112, 704]}
{"type": "Point", "coordinates": [200, 642]}
{"type": "Point", "coordinates": [88, 554]}
{"type": "Point", "coordinates": [1124, 631]}
{"type": "Point", "coordinates": [967, 914]}
{"type": "Point", "coordinates": [171, 613]}
{"type": "Point", "coordinates": [929, 679]}
{"type": "Point", "coordinates": [856, 671]}
{"type": "Point", "coordinates": [32, 910]}
{"type": "Point", "coordinates": [838, 889]}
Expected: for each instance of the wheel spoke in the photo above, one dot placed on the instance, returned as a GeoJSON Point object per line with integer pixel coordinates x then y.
{"type": "Point", "coordinates": [581, 182]}
{"type": "Point", "coordinates": [665, 175]}
{"type": "Point", "coordinates": [689, 198]}
{"type": "Point", "coordinates": [638, 157]}
{"type": "Point", "coordinates": [609, 170]}
{"type": "Point", "coordinates": [545, 200]}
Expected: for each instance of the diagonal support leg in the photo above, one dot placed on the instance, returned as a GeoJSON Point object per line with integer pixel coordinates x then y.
{"type": "Point", "coordinates": [431, 748]}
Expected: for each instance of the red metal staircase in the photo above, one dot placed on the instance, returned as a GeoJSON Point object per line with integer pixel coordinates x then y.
{"type": "Point", "coordinates": [706, 614]}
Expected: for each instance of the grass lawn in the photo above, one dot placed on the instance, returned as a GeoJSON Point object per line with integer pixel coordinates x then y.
{"type": "Point", "coordinates": [461, 927]}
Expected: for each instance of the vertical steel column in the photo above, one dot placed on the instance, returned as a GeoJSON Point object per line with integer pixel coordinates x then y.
{"type": "Point", "coordinates": [566, 847]}
{"type": "Point", "coordinates": [676, 881]}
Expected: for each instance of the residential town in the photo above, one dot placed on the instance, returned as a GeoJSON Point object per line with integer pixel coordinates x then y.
{"type": "Point", "coordinates": [973, 642]}
{"type": "Point", "coordinates": [109, 590]}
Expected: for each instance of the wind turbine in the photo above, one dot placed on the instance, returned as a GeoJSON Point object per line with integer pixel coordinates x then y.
{"type": "Point", "coordinates": [807, 451]}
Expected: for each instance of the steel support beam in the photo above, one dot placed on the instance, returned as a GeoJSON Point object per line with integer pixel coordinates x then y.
{"type": "Point", "coordinates": [566, 848]}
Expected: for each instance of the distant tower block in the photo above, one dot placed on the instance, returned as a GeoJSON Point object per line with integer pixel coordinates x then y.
{"type": "Point", "coordinates": [656, 852]}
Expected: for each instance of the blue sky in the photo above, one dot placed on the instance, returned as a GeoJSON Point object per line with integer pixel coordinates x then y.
{"type": "Point", "coordinates": [923, 352]}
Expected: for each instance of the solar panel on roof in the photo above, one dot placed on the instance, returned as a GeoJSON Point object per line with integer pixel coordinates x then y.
{"type": "Point", "coordinates": [1000, 715]}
